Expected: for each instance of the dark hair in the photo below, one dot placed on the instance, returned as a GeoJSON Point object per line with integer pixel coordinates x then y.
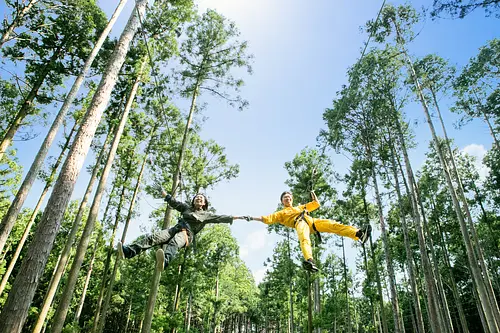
{"type": "Point", "coordinates": [205, 206]}
{"type": "Point", "coordinates": [282, 194]}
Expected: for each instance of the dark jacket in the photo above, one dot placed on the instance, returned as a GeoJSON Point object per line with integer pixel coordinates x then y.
{"type": "Point", "coordinates": [195, 220]}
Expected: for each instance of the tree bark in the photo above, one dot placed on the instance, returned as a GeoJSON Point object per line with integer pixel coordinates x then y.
{"type": "Point", "coordinates": [10, 218]}
{"type": "Point", "coordinates": [348, 307]}
{"type": "Point", "coordinates": [15, 22]}
{"type": "Point", "coordinates": [27, 229]}
{"type": "Point", "coordinates": [406, 237]}
{"type": "Point", "coordinates": [64, 304]}
{"type": "Point", "coordinates": [86, 285]}
{"type": "Point", "coordinates": [16, 308]}
{"type": "Point", "coordinates": [66, 252]}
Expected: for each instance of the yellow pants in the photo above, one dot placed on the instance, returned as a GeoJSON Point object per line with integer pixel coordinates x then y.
{"type": "Point", "coordinates": [304, 229]}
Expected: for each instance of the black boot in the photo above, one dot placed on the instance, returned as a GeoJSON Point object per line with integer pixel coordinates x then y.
{"type": "Point", "coordinates": [364, 233]}
{"type": "Point", "coordinates": [310, 266]}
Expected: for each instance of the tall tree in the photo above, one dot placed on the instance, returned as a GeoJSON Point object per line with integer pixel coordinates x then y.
{"type": "Point", "coordinates": [14, 313]}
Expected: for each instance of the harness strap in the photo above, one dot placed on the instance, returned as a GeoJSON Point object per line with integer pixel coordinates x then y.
{"type": "Point", "coordinates": [301, 218]}
{"type": "Point", "coordinates": [184, 231]}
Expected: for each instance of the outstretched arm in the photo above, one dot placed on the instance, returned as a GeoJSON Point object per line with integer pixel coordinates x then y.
{"type": "Point", "coordinates": [177, 205]}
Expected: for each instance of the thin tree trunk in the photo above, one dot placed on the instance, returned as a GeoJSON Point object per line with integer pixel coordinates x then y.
{"type": "Point", "coordinates": [409, 254]}
{"type": "Point", "coordinates": [309, 305]}
{"type": "Point", "coordinates": [290, 282]}
{"type": "Point", "coordinates": [190, 312]}
{"type": "Point", "coordinates": [128, 317]}
{"type": "Point", "coordinates": [101, 323]}
{"type": "Point", "coordinates": [489, 305]}
{"type": "Point", "coordinates": [15, 22]}
{"type": "Point", "coordinates": [104, 279]}
{"type": "Point", "coordinates": [348, 307]}
{"type": "Point", "coordinates": [10, 218]}
{"type": "Point", "coordinates": [27, 105]}
{"type": "Point", "coordinates": [432, 306]}
{"type": "Point", "coordinates": [383, 319]}
{"type": "Point", "coordinates": [461, 194]}
{"type": "Point", "coordinates": [385, 241]}
{"type": "Point", "coordinates": [64, 304]}
{"type": "Point", "coordinates": [27, 229]}
{"type": "Point", "coordinates": [16, 308]}
{"type": "Point", "coordinates": [86, 285]}
{"type": "Point", "coordinates": [453, 284]}
{"type": "Point", "coordinates": [66, 252]}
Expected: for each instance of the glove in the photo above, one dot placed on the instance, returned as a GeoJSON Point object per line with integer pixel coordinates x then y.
{"type": "Point", "coordinates": [247, 218]}
{"type": "Point", "coordinates": [168, 197]}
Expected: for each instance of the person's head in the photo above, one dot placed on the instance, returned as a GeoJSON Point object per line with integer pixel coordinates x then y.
{"type": "Point", "coordinates": [286, 198]}
{"type": "Point", "coordinates": [199, 201]}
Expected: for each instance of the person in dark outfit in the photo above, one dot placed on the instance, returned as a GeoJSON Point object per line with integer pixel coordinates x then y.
{"type": "Point", "coordinates": [193, 219]}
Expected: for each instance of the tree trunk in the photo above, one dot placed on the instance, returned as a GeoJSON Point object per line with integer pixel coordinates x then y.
{"type": "Point", "coordinates": [385, 241]}
{"type": "Point", "coordinates": [64, 304]}
{"type": "Point", "coordinates": [86, 285]}
{"type": "Point", "coordinates": [15, 22]}
{"type": "Point", "coordinates": [290, 282]}
{"type": "Point", "coordinates": [102, 322]}
{"type": "Point", "coordinates": [383, 319]}
{"type": "Point", "coordinates": [25, 109]}
{"type": "Point", "coordinates": [175, 184]}
{"type": "Point", "coordinates": [10, 218]}
{"type": "Point", "coordinates": [27, 229]}
{"type": "Point", "coordinates": [104, 279]}
{"type": "Point", "coordinates": [409, 254]}
{"type": "Point", "coordinates": [66, 252]}
{"type": "Point", "coordinates": [190, 312]}
{"type": "Point", "coordinates": [348, 310]}
{"type": "Point", "coordinates": [432, 306]}
{"type": "Point", "coordinates": [128, 317]}
{"type": "Point", "coordinates": [461, 194]}
{"type": "Point", "coordinates": [453, 284]}
{"type": "Point", "coordinates": [309, 304]}
{"type": "Point", "coordinates": [16, 308]}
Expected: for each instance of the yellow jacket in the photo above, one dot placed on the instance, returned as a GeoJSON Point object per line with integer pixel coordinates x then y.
{"type": "Point", "coordinates": [288, 215]}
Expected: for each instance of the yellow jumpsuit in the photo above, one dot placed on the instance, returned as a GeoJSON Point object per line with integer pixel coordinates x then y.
{"type": "Point", "coordinates": [304, 227]}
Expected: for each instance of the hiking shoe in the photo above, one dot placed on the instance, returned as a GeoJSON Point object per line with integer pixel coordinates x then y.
{"type": "Point", "coordinates": [125, 251]}
{"type": "Point", "coordinates": [310, 266]}
{"type": "Point", "coordinates": [364, 233]}
{"type": "Point", "coordinates": [161, 261]}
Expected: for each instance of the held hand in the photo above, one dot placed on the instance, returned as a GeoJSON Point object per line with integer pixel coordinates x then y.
{"type": "Point", "coordinates": [168, 197]}
{"type": "Point", "coordinates": [247, 218]}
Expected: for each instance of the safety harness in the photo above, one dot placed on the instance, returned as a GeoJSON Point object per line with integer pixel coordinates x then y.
{"type": "Point", "coordinates": [301, 217]}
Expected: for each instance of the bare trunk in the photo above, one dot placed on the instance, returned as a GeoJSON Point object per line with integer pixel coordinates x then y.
{"type": "Point", "coordinates": [15, 22]}
{"type": "Point", "coordinates": [309, 305]}
{"type": "Point", "coordinates": [10, 218]}
{"type": "Point", "coordinates": [16, 308]}
{"type": "Point", "coordinates": [168, 213]}
{"type": "Point", "coordinates": [432, 306]}
{"type": "Point", "coordinates": [462, 197]}
{"type": "Point", "coordinates": [290, 282]}
{"type": "Point", "coordinates": [489, 305]}
{"type": "Point", "coordinates": [128, 317]}
{"type": "Point", "coordinates": [26, 107]}
{"type": "Point", "coordinates": [66, 252]}
{"type": "Point", "coordinates": [385, 241]}
{"type": "Point", "coordinates": [86, 285]}
{"type": "Point", "coordinates": [189, 312]}
{"type": "Point", "coordinates": [346, 290]}
{"type": "Point", "coordinates": [64, 304]}
{"type": "Point", "coordinates": [27, 229]}
{"type": "Point", "coordinates": [104, 279]}
{"type": "Point", "coordinates": [409, 254]}
{"type": "Point", "coordinates": [124, 234]}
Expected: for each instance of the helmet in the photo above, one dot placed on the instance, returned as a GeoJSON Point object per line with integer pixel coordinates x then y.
{"type": "Point", "coordinates": [205, 206]}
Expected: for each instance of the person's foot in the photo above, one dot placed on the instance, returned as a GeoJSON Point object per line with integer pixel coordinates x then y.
{"type": "Point", "coordinates": [310, 266]}
{"type": "Point", "coordinates": [125, 251]}
{"type": "Point", "coordinates": [364, 233]}
{"type": "Point", "coordinates": [160, 260]}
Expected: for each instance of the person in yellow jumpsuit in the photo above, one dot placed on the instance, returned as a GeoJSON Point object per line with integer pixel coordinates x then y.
{"type": "Point", "coordinates": [297, 217]}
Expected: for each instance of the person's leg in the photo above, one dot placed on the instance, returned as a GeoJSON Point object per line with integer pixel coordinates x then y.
{"type": "Point", "coordinates": [334, 227]}
{"type": "Point", "coordinates": [177, 242]}
{"type": "Point", "coordinates": [147, 242]}
{"type": "Point", "coordinates": [304, 233]}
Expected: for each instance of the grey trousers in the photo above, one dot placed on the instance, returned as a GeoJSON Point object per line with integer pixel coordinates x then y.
{"type": "Point", "coordinates": [174, 239]}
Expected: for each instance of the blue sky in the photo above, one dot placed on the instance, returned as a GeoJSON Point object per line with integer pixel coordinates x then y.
{"type": "Point", "coordinates": [302, 51]}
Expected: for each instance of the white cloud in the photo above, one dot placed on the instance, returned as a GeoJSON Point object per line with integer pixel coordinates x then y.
{"type": "Point", "coordinates": [478, 151]}
{"type": "Point", "coordinates": [259, 274]}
